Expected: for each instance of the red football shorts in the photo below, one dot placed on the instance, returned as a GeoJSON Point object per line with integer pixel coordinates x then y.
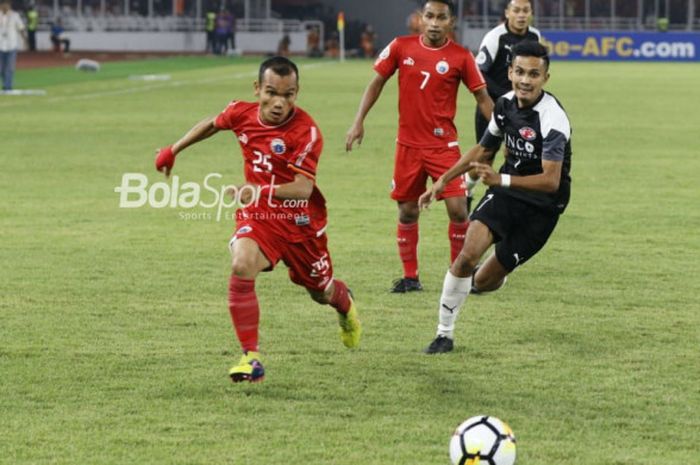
{"type": "Point", "coordinates": [309, 262]}
{"type": "Point", "coordinates": [413, 166]}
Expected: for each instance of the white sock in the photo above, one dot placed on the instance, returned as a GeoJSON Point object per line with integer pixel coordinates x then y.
{"type": "Point", "coordinates": [454, 292]}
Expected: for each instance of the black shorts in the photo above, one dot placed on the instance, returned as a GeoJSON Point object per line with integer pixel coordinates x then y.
{"type": "Point", "coordinates": [520, 230]}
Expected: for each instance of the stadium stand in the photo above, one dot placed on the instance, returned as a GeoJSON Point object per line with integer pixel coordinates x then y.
{"type": "Point", "coordinates": [267, 18]}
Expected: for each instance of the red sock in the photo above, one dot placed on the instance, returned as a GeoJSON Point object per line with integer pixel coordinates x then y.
{"type": "Point", "coordinates": [457, 232]}
{"type": "Point", "coordinates": [340, 300]}
{"type": "Point", "coordinates": [245, 312]}
{"type": "Point", "coordinates": [407, 238]}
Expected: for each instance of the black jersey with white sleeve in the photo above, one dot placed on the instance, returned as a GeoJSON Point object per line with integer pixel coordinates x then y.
{"type": "Point", "coordinates": [532, 134]}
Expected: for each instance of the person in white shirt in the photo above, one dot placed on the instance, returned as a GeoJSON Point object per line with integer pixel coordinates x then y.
{"type": "Point", "coordinates": [11, 29]}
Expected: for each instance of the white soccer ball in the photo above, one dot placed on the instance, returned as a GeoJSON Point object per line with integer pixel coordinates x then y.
{"type": "Point", "coordinates": [483, 440]}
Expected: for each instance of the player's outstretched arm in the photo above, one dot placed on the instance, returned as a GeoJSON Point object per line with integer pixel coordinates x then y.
{"type": "Point", "coordinates": [547, 181]}
{"type": "Point", "coordinates": [165, 159]}
{"type": "Point", "coordinates": [464, 164]}
{"type": "Point", "coordinates": [484, 102]}
{"type": "Point", "coordinates": [431, 194]}
{"type": "Point", "coordinates": [369, 98]}
{"type": "Point", "coordinates": [478, 153]}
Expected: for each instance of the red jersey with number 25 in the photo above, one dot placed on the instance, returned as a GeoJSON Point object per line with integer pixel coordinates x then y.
{"type": "Point", "coordinates": [428, 83]}
{"type": "Point", "coordinates": [275, 155]}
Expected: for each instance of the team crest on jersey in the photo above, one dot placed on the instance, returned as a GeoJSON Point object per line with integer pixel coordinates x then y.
{"type": "Point", "coordinates": [481, 58]}
{"type": "Point", "coordinates": [442, 67]}
{"type": "Point", "coordinates": [243, 138]}
{"type": "Point", "coordinates": [409, 62]}
{"type": "Point", "coordinates": [528, 133]}
{"type": "Point", "coordinates": [278, 146]}
{"type": "Point", "coordinates": [385, 53]}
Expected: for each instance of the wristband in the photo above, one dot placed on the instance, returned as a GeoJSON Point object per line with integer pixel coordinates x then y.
{"type": "Point", "coordinates": [505, 180]}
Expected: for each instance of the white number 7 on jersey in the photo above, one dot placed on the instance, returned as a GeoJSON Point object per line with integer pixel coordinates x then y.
{"type": "Point", "coordinates": [425, 81]}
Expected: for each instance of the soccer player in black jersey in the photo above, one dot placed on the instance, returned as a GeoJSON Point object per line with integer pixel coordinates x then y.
{"type": "Point", "coordinates": [494, 58]}
{"type": "Point", "coordinates": [524, 200]}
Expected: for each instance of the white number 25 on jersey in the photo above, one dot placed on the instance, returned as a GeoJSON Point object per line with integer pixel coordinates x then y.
{"type": "Point", "coordinates": [261, 163]}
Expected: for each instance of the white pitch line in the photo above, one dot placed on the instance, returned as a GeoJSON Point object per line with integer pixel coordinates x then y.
{"type": "Point", "coordinates": [134, 90]}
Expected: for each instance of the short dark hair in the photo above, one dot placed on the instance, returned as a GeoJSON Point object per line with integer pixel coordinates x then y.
{"type": "Point", "coordinates": [530, 48]}
{"type": "Point", "coordinates": [450, 4]}
{"type": "Point", "coordinates": [281, 66]}
{"type": "Point", "coordinates": [507, 3]}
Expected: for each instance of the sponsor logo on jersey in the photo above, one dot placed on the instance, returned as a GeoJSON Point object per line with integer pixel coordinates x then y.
{"type": "Point", "coordinates": [409, 62]}
{"type": "Point", "coordinates": [481, 58]}
{"type": "Point", "coordinates": [243, 138]}
{"type": "Point", "coordinates": [278, 146]}
{"type": "Point", "coordinates": [244, 230]}
{"type": "Point", "coordinates": [528, 133]}
{"type": "Point", "coordinates": [442, 67]}
{"type": "Point", "coordinates": [520, 148]}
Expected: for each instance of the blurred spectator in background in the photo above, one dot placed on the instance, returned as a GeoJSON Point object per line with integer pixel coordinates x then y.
{"type": "Point", "coordinates": [662, 24]}
{"type": "Point", "coordinates": [415, 22]}
{"type": "Point", "coordinates": [32, 23]}
{"type": "Point", "coordinates": [224, 32]}
{"type": "Point", "coordinates": [283, 46]}
{"type": "Point", "coordinates": [11, 28]}
{"type": "Point", "coordinates": [367, 40]}
{"type": "Point", "coordinates": [332, 46]}
{"type": "Point", "coordinates": [313, 43]}
{"type": "Point", "coordinates": [58, 37]}
{"type": "Point", "coordinates": [210, 28]}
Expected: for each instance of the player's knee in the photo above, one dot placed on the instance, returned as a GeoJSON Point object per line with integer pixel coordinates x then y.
{"type": "Point", "coordinates": [408, 214]}
{"type": "Point", "coordinates": [459, 216]}
{"type": "Point", "coordinates": [457, 209]}
{"type": "Point", "coordinates": [465, 263]}
{"type": "Point", "coordinates": [243, 267]}
{"type": "Point", "coordinates": [319, 297]}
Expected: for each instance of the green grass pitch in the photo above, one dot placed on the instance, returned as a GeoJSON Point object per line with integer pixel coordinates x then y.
{"type": "Point", "coordinates": [115, 338]}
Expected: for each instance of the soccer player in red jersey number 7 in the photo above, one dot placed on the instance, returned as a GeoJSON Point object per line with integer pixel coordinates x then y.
{"type": "Point", "coordinates": [430, 66]}
{"type": "Point", "coordinates": [286, 218]}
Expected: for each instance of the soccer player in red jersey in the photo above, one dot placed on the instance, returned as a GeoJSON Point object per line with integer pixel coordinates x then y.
{"type": "Point", "coordinates": [430, 66]}
{"type": "Point", "coordinates": [284, 213]}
